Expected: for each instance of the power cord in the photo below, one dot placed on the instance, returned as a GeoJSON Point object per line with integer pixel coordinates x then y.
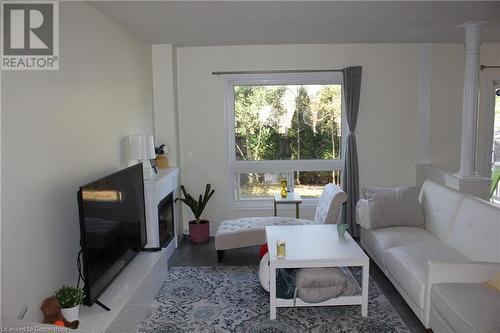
{"type": "Point", "coordinates": [79, 266]}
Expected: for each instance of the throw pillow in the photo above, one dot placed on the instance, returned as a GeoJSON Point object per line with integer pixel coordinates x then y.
{"type": "Point", "coordinates": [397, 206]}
{"type": "Point", "coordinates": [263, 250]}
{"type": "Point", "coordinates": [314, 285]}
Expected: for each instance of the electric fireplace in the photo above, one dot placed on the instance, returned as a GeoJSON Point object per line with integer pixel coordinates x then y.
{"type": "Point", "coordinates": [166, 219]}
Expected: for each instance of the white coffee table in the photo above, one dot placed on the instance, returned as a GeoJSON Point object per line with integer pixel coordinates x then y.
{"type": "Point", "coordinates": [315, 246]}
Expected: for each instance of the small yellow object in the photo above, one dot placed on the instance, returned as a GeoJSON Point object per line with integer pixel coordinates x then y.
{"type": "Point", "coordinates": [161, 161]}
{"type": "Point", "coordinates": [494, 283]}
{"type": "Point", "coordinates": [281, 249]}
{"type": "Point", "coordinates": [284, 192]}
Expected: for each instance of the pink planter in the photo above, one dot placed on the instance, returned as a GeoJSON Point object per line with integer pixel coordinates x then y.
{"type": "Point", "coordinates": [199, 232]}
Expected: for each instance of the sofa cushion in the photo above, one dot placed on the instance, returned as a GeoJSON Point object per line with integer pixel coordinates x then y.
{"type": "Point", "coordinates": [251, 231]}
{"type": "Point", "coordinates": [476, 230]}
{"type": "Point", "coordinates": [382, 239]}
{"type": "Point", "coordinates": [467, 307]}
{"type": "Point", "coordinates": [408, 265]}
{"type": "Point", "coordinates": [397, 206]}
{"type": "Point", "coordinates": [440, 205]}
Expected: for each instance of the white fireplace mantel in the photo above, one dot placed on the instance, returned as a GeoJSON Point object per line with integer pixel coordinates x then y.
{"type": "Point", "coordinates": [156, 188]}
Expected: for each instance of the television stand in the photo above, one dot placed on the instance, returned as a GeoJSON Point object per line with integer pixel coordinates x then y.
{"type": "Point", "coordinates": [102, 306]}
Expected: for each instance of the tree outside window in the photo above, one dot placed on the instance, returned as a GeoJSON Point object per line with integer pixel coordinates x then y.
{"type": "Point", "coordinates": [286, 122]}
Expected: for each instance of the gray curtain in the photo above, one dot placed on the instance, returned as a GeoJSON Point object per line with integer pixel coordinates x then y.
{"type": "Point", "coordinates": [350, 177]}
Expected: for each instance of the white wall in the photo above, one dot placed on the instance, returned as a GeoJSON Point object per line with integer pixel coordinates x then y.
{"type": "Point", "coordinates": [386, 124]}
{"type": "Point", "coordinates": [166, 118]}
{"type": "Point", "coordinates": [446, 101]}
{"type": "Point", "coordinates": [165, 100]}
{"type": "Point", "coordinates": [446, 105]}
{"type": "Point", "coordinates": [61, 129]}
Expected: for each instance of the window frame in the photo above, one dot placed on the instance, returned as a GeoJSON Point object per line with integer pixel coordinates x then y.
{"type": "Point", "coordinates": [275, 166]}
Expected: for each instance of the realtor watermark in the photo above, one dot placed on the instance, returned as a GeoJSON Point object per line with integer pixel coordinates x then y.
{"type": "Point", "coordinates": [30, 35]}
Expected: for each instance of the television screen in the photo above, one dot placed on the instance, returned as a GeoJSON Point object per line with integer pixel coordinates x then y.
{"type": "Point", "coordinates": [112, 227]}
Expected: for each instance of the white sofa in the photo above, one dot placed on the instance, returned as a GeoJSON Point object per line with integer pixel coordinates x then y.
{"type": "Point", "coordinates": [460, 230]}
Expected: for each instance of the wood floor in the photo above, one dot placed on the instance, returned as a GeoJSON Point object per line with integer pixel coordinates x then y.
{"type": "Point", "coordinates": [205, 255]}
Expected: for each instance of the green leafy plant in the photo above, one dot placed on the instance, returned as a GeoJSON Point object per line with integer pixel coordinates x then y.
{"type": "Point", "coordinates": [197, 206]}
{"type": "Point", "coordinates": [69, 297]}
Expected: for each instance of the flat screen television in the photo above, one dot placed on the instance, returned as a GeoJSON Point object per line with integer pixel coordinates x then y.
{"type": "Point", "coordinates": [112, 227]}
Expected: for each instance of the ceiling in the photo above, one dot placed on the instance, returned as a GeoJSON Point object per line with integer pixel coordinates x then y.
{"type": "Point", "coordinates": [204, 23]}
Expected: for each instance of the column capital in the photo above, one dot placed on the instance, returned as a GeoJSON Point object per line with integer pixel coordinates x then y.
{"type": "Point", "coordinates": [472, 35]}
{"type": "Point", "coordinates": [472, 24]}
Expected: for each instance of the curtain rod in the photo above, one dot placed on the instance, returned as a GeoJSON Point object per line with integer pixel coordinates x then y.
{"type": "Point", "coordinates": [277, 71]}
{"type": "Point", "coordinates": [485, 67]}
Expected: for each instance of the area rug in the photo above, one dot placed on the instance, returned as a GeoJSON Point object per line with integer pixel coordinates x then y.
{"type": "Point", "coordinates": [230, 299]}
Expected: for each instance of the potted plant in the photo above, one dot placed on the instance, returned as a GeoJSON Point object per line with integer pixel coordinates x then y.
{"type": "Point", "coordinates": [70, 299]}
{"type": "Point", "coordinates": [199, 229]}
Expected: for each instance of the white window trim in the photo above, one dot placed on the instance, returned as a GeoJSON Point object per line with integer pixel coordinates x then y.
{"type": "Point", "coordinates": [278, 166]}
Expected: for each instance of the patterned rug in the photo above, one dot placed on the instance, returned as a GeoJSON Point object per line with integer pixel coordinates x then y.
{"type": "Point", "coordinates": [230, 299]}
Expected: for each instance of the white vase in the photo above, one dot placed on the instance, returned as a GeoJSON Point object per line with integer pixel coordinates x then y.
{"type": "Point", "coordinates": [71, 314]}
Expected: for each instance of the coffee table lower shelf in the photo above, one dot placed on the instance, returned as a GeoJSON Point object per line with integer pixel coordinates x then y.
{"type": "Point", "coordinates": [361, 300]}
{"type": "Point", "coordinates": [342, 300]}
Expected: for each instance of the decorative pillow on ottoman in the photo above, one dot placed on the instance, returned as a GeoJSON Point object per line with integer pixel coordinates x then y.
{"type": "Point", "coordinates": [263, 250]}
{"type": "Point", "coordinates": [315, 285]}
{"type": "Point", "coordinates": [398, 206]}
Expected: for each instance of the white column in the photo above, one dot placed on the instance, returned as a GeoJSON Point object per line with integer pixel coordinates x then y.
{"type": "Point", "coordinates": [466, 179]}
{"type": "Point", "coordinates": [424, 52]}
{"type": "Point", "coordinates": [470, 101]}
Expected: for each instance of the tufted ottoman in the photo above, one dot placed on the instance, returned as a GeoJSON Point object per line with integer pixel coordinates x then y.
{"type": "Point", "coordinates": [251, 231]}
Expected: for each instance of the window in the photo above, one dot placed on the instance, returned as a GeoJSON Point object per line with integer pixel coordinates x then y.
{"type": "Point", "coordinates": [284, 126]}
{"type": "Point", "coordinates": [495, 163]}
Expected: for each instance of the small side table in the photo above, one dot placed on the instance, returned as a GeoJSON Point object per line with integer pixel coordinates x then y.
{"type": "Point", "coordinates": [291, 198]}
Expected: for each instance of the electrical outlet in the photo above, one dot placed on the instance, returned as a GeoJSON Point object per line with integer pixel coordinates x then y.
{"type": "Point", "coordinates": [22, 313]}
